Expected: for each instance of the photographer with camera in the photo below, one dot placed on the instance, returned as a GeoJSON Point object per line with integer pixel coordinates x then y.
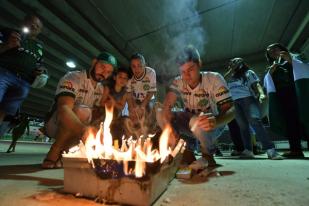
{"type": "Point", "coordinates": [287, 86]}
{"type": "Point", "coordinates": [21, 55]}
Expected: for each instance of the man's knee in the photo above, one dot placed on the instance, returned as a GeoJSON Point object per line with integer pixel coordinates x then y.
{"type": "Point", "coordinates": [83, 113]}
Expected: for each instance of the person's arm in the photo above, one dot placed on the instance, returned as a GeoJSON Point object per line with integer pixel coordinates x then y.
{"type": "Point", "coordinates": [224, 103]}
{"type": "Point", "coordinates": [169, 101]}
{"type": "Point", "coordinates": [12, 42]}
{"type": "Point", "coordinates": [210, 122]}
{"type": "Point", "coordinates": [286, 56]}
{"type": "Point", "coordinates": [105, 96]}
{"type": "Point", "coordinates": [131, 101]}
{"type": "Point", "coordinates": [121, 103]}
{"type": "Point", "coordinates": [147, 99]}
{"type": "Point", "coordinates": [283, 55]}
{"type": "Point", "coordinates": [132, 107]}
{"type": "Point", "coordinates": [226, 112]}
{"type": "Point", "coordinates": [258, 90]}
{"type": "Point", "coordinates": [152, 90]}
{"type": "Point", "coordinates": [66, 116]}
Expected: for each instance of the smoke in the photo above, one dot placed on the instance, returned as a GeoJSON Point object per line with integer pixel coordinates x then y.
{"type": "Point", "coordinates": [183, 27]}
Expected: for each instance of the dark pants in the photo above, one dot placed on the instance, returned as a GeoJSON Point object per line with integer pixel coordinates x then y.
{"type": "Point", "coordinates": [287, 98]}
{"type": "Point", "coordinates": [236, 135]}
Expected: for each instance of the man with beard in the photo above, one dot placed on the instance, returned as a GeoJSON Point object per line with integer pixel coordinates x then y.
{"type": "Point", "coordinates": [287, 83]}
{"type": "Point", "coordinates": [78, 94]}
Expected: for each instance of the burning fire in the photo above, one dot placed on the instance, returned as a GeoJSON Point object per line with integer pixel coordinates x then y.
{"type": "Point", "coordinates": [101, 146]}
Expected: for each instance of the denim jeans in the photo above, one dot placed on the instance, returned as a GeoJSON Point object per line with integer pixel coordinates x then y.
{"type": "Point", "coordinates": [182, 123]}
{"type": "Point", "coordinates": [13, 91]}
{"type": "Point", "coordinates": [248, 113]}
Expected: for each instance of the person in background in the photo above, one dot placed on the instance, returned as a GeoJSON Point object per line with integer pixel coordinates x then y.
{"type": "Point", "coordinates": [142, 88]}
{"type": "Point", "coordinates": [208, 106]}
{"type": "Point", "coordinates": [245, 87]}
{"type": "Point", "coordinates": [21, 64]}
{"type": "Point", "coordinates": [287, 83]}
{"type": "Point", "coordinates": [18, 131]}
{"type": "Point", "coordinates": [78, 96]}
{"type": "Point", "coordinates": [116, 96]}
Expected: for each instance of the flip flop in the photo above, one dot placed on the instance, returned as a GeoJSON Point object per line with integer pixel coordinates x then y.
{"type": "Point", "coordinates": [50, 164]}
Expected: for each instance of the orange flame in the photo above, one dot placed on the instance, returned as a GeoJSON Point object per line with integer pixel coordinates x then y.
{"type": "Point", "coordinates": [139, 150]}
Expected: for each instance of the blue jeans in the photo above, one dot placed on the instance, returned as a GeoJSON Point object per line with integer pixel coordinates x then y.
{"type": "Point", "coordinates": [248, 113]}
{"type": "Point", "coordinates": [183, 121]}
{"type": "Point", "coordinates": [13, 91]}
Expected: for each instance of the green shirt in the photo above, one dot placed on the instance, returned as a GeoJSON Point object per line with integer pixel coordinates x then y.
{"type": "Point", "coordinates": [23, 60]}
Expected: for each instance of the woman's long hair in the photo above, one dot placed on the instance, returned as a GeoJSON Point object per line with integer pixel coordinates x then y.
{"type": "Point", "coordinates": [270, 60]}
{"type": "Point", "coordinates": [239, 69]}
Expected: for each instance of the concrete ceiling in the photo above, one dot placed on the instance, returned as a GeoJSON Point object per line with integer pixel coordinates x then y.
{"type": "Point", "coordinates": [220, 29]}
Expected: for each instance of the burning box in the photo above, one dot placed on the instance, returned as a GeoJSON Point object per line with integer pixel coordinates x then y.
{"type": "Point", "coordinates": [80, 178]}
{"type": "Point", "coordinates": [135, 174]}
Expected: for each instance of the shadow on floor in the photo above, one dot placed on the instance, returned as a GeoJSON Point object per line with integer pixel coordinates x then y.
{"type": "Point", "coordinates": [17, 172]}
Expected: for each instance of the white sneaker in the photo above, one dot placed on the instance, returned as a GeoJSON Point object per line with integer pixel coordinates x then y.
{"type": "Point", "coordinates": [246, 154]}
{"type": "Point", "coordinates": [273, 155]}
{"type": "Point", "coordinates": [199, 164]}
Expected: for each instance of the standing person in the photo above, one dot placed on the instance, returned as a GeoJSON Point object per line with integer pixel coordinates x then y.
{"type": "Point", "coordinates": [142, 88]}
{"type": "Point", "coordinates": [235, 135]}
{"type": "Point", "coordinates": [18, 131]}
{"type": "Point", "coordinates": [78, 95]}
{"type": "Point", "coordinates": [21, 58]}
{"type": "Point", "coordinates": [287, 86]}
{"type": "Point", "coordinates": [244, 86]}
{"type": "Point", "coordinates": [208, 106]}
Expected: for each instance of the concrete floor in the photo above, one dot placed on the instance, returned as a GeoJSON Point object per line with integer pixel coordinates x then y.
{"type": "Point", "coordinates": [237, 182]}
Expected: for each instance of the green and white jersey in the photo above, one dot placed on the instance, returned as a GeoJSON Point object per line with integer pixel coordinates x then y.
{"type": "Point", "coordinates": [141, 86]}
{"type": "Point", "coordinates": [78, 85]}
{"type": "Point", "coordinates": [211, 90]}
{"type": "Point", "coordinates": [23, 60]}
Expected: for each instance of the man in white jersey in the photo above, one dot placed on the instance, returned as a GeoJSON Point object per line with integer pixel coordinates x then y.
{"type": "Point", "coordinates": [78, 94]}
{"type": "Point", "coordinates": [208, 105]}
{"type": "Point", "coordinates": [141, 87]}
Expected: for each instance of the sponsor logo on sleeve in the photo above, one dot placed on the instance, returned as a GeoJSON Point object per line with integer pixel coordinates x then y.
{"type": "Point", "coordinates": [222, 91]}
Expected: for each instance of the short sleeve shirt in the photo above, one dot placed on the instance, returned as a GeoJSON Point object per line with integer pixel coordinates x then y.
{"type": "Point", "coordinates": [211, 90]}
{"type": "Point", "coordinates": [240, 88]}
{"type": "Point", "coordinates": [79, 86]}
{"type": "Point", "coordinates": [140, 87]}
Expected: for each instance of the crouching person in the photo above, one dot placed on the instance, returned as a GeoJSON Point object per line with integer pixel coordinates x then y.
{"type": "Point", "coordinates": [208, 105]}
{"type": "Point", "coordinates": [78, 94]}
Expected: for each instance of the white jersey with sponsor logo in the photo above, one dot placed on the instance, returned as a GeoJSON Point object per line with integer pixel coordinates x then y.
{"type": "Point", "coordinates": [205, 96]}
{"type": "Point", "coordinates": [240, 88]}
{"type": "Point", "coordinates": [78, 85]}
{"type": "Point", "coordinates": [141, 86]}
